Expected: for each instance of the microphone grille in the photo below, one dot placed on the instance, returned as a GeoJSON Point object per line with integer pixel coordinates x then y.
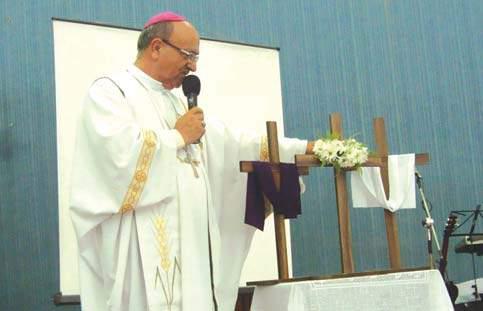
{"type": "Point", "coordinates": [191, 85]}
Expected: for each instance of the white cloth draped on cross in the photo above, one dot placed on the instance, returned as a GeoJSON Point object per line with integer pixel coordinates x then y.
{"type": "Point", "coordinates": [368, 189]}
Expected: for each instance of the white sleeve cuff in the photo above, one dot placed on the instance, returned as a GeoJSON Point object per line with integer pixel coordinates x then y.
{"type": "Point", "coordinates": [171, 138]}
{"type": "Point", "coordinates": [179, 139]}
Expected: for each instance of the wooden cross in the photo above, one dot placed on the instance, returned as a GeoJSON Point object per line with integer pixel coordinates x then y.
{"type": "Point", "coordinates": [304, 162]}
{"type": "Point", "coordinates": [280, 236]}
{"type": "Point", "coordinates": [345, 238]}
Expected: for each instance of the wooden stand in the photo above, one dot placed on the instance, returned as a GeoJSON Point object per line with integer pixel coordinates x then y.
{"type": "Point", "coordinates": [304, 162]}
{"type": "Point", "coordinates": [347, 260]}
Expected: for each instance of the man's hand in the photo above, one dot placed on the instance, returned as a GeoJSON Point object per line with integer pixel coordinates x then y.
{"type": "Point", "coordinates": [191, 125]}
{"type": "Point", "coordinates": [310, 147]}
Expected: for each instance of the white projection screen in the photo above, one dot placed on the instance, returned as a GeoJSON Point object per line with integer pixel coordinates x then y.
{"type": "Point", "coordinates": [240, 85]}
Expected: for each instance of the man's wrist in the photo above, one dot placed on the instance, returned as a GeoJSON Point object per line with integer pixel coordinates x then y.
{"type": "Point", "coordinates": [310, 147]}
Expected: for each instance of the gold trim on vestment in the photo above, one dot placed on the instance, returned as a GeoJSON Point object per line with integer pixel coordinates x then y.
{"type": "Point", "coordinates": [264, 149]}
{"type": "Point", "coordinates": [141, 173]}
{"type": "Point", "coordinates": [264, 157]}
{"type": "Point", "coordinates": [165, 275]}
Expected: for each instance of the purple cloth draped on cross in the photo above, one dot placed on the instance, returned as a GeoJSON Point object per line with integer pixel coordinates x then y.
{"type": "Point", "coordinates": [260, 182]}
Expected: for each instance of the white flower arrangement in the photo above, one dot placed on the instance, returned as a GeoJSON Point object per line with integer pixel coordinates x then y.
{"type": "Point", "coordinates": [348, 153]}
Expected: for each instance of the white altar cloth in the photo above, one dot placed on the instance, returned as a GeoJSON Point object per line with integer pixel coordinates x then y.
{"type": "Point", "coordinates": [417, 290]}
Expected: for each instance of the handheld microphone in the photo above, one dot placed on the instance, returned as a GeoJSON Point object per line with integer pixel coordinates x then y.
{"type": "Point", "coordinates": [191, 89]}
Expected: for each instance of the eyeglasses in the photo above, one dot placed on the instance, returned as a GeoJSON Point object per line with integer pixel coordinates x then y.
{"type": "Point", "coordinates": [187, 54]}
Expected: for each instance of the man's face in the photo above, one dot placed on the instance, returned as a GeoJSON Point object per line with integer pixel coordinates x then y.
{"type": "Point", "coordinates": [173, 64]}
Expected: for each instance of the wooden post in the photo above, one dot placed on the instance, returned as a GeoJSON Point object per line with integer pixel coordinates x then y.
{"type": "Point", "coordinates": [345, 237]}
{"type": "Point", "coordinates": [279, 219]}
{"type": "Point", "coordinates": [389, 217]}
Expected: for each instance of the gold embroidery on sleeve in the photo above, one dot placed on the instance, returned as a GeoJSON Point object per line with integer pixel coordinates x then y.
{"type": "Point", "coordinates": [264, 149]}
{"type": "Point", "coordinates": [141, 174]}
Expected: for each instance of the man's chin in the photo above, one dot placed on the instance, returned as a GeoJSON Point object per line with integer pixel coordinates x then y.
{"type": "Point", "coordinates": [173, 84]}
{"type": "Point", "coordinates": [170, 85]}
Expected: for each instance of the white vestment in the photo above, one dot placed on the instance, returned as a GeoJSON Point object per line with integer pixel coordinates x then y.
{"type": "Point", "coordinates": [152, 235]}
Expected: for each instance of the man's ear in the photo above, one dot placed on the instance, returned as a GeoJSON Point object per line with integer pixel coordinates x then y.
{"type": "Point", "coordinates": [155, 46]}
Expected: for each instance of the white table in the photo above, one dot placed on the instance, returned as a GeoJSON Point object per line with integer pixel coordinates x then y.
{"type": "Point", "coordinates": [417, 290]}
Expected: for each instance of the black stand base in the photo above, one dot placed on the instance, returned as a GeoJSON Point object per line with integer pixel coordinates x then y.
{"type": "Point", "coordinates": [472, 306]}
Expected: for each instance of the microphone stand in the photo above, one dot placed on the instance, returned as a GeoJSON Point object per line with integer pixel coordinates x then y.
{"type": "Point", "coordinates": [428, 222]}
{"type": "Point", "coordinates": [470, 237]}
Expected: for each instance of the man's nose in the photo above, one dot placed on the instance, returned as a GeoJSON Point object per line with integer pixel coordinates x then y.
{"type": "Point", "coordinates": [192, 66]}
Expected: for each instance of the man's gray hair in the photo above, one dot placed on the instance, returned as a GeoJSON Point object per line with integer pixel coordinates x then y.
{"type": "Point", "coordinates": [159, 30]}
